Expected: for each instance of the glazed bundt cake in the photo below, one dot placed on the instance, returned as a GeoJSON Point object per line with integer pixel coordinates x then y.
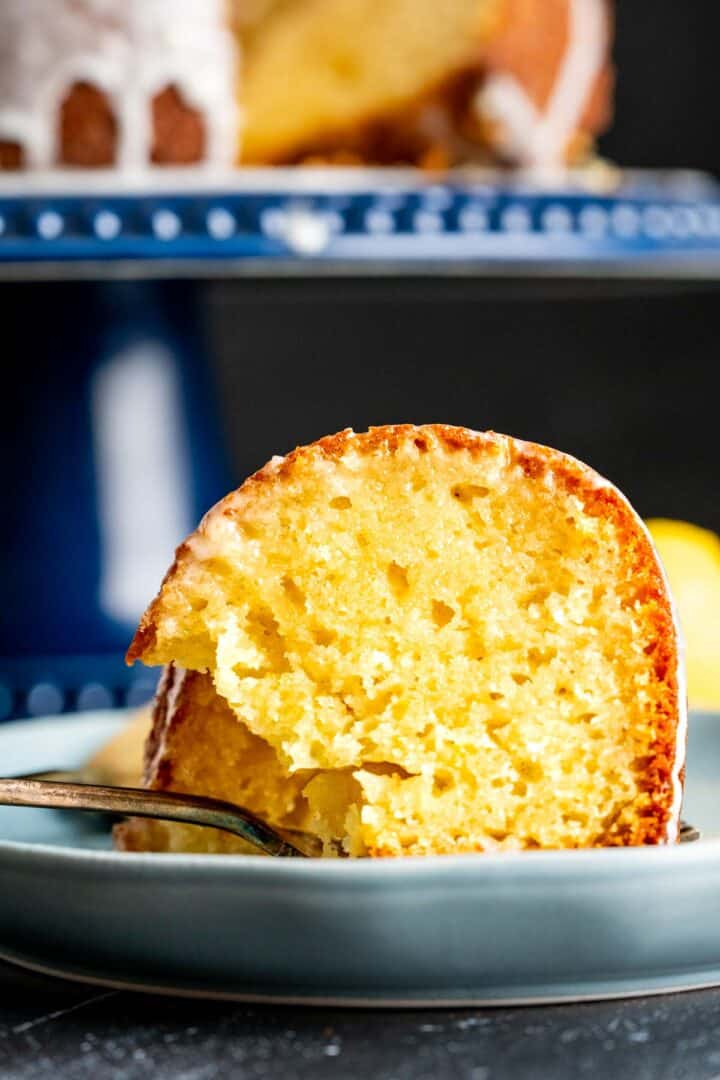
{"type": "Point", "coordinates": [96, 83]}
{"type": "Point", "coordinates": [420, 640]}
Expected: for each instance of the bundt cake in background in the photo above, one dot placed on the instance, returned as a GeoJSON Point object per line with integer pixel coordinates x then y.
{"type": "Point", "coordinates": [99, 83]}
{"type": "Point", "coordinates": [420, 640]}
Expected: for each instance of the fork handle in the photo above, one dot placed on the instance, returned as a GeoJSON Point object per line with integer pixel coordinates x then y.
{"type": "Point", "coordinates": [166, 805]}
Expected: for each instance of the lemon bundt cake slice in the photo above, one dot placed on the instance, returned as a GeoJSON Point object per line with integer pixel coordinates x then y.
{"type": "Point", "coordinates": [424, 640]}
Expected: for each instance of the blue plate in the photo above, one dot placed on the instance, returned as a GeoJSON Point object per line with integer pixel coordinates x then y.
{"type": "Point", "coordinates": [513, 928]}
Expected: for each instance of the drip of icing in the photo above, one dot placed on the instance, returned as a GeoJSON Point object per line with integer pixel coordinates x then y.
{"type": "Point", "coordinates": [539, 139]}
{"type": "Point", "coordinates": [130, 52]}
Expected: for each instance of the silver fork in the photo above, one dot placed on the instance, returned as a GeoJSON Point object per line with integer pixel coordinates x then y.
{"type": "Point", "coordinates": [166, 805]}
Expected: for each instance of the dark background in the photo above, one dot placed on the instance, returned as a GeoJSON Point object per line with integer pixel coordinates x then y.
{"type": "Point", "coordinates": [617, 375]}
{"type": "Point", "coordinates": [668, 85]}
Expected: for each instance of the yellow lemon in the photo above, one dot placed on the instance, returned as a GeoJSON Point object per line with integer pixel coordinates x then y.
{"type": "Point", "coordinates": [691, 557]}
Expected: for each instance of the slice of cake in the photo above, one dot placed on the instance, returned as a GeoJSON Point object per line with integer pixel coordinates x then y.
{"type": "Point", "coordinates": [421, 640]}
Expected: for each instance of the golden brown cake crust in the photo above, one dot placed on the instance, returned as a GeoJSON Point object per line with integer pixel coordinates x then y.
{"type": "Point", "coordinates": [531, 46]}
{"type": "Point", "coordinates": [178, 130]}
{"type": "Point", "coordinates": [537, 462]}
{"type": "Point", "coordinates": [88, 128]}
{"type": "Point", "coordinates": [12, 156]}
{"type": "Point", "coordinates": [531, 42]}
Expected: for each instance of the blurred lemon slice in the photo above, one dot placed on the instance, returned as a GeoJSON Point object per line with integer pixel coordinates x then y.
{"type": "Point", "coordinates": [691, 557]}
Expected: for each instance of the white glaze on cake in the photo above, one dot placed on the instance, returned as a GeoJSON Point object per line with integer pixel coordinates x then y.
{"type": "Point", "coordinates": [536, 138]}
{"type": "Point", "coordinates": [129, 50]}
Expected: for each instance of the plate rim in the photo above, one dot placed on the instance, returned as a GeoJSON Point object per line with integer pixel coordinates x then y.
{"type": "Point", "coordinates": [353, 1002]}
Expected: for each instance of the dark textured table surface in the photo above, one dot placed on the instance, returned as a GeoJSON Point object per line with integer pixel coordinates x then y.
{"type": "Point", "coordinates": [57, 1029]}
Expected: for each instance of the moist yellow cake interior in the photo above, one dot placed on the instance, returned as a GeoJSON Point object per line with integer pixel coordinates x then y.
{"type": "Point", "coordinates": [319, 68]}
{"type": "Point", "coordinates": [446, 655]}
{"type": "Point", "coordinates": [214, 753]}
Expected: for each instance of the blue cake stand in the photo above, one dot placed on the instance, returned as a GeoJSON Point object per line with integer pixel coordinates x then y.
{"type": "Point", "coordinates": [318, 220]}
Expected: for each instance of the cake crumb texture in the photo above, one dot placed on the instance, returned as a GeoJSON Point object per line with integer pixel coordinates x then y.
{"type": "Point", "coordinates": [438, 641]}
